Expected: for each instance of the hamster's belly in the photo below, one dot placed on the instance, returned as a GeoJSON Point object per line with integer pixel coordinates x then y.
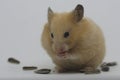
{"type": "Point", "coordinates": [71, 64]}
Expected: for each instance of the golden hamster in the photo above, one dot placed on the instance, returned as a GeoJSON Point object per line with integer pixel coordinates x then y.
{"type": "Point", "coordinates": [73, 42]}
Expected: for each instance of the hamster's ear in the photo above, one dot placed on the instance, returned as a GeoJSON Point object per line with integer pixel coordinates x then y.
{"type": "Point", "coordinates": [50, 14]}
{"type": "Point", "coordinates": [78, 13]}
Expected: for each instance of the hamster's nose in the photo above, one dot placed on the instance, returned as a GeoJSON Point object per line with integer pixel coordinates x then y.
{"type": "Point", "coordinates": [60, 49]}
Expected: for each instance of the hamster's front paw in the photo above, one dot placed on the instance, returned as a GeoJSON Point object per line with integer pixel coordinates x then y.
{"type": "Point", "coordinates": [87, 69]}
{"type": "Point", "coordinates": [90, 70]}
{"type": "Point", "coordinates": [60, 70]}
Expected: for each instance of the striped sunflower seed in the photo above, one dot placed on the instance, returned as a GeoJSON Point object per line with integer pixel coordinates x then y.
{"type": "Point", "coordinates": [29, 67]}
{"type": "Point", "coordinates": [13, 60]}
{"type": "Point", "coordinates": [43, 71]}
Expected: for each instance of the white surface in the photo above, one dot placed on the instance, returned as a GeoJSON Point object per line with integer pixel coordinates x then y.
{"type": "Point", "coordinates": [21, 24]}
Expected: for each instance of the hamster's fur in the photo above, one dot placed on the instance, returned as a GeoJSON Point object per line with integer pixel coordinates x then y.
{"type": "Point", "coordinates": [73, 41]}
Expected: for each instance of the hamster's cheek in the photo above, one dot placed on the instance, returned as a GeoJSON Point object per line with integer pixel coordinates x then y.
{"type": "Point", "coordinates": [53, 47]}
{"type": "Point", "coordinates": [66, 46]}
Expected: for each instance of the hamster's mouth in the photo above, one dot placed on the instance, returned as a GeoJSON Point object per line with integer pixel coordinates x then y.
{"type": "Point", "coordinates": [63, 53]}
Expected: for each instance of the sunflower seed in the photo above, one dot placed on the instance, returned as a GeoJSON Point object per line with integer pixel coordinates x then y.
{"type": "Point", "coordinates": [111, 64]}
{"type": "Point", "coordinates": [29, 68]}
{"type": "Point", "coordinates": [105, 68]}
{"type": "Point", "coordinates": [43, 71]}
{"type": "Point", "coordinates": [13, 60]}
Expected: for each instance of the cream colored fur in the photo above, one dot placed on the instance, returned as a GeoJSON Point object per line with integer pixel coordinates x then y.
{"type": "Point", "coordinates": [86, 42]}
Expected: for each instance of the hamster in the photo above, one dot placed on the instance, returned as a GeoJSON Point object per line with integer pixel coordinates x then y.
{"type": "Point", "coordinates": [73, 41]}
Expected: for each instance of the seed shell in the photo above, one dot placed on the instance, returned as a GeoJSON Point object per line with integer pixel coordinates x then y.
{"type": "Point", "coordinates": [43, 71]}
{"type": "Point", "coordinates": [105, 68]}
{"type": "Point", "coordinates": [29, 67]}
{"type": "Point", "coordinates": [13, 60]}
{"type": "Point", "coordinates": [111, 64]}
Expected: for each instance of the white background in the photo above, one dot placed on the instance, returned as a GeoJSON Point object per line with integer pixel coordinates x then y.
{"type": "Point", "coordinates": [21, 24]}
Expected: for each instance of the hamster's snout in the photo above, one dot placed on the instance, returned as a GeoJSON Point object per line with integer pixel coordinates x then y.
{"type": "Point", "coordinates": [61, 49]}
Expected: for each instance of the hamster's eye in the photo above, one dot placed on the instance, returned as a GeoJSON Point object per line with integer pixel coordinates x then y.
{"type": "Point", "coordinates": [52, 35]}
{"type": "Point", "coordinates": [66, 34]}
